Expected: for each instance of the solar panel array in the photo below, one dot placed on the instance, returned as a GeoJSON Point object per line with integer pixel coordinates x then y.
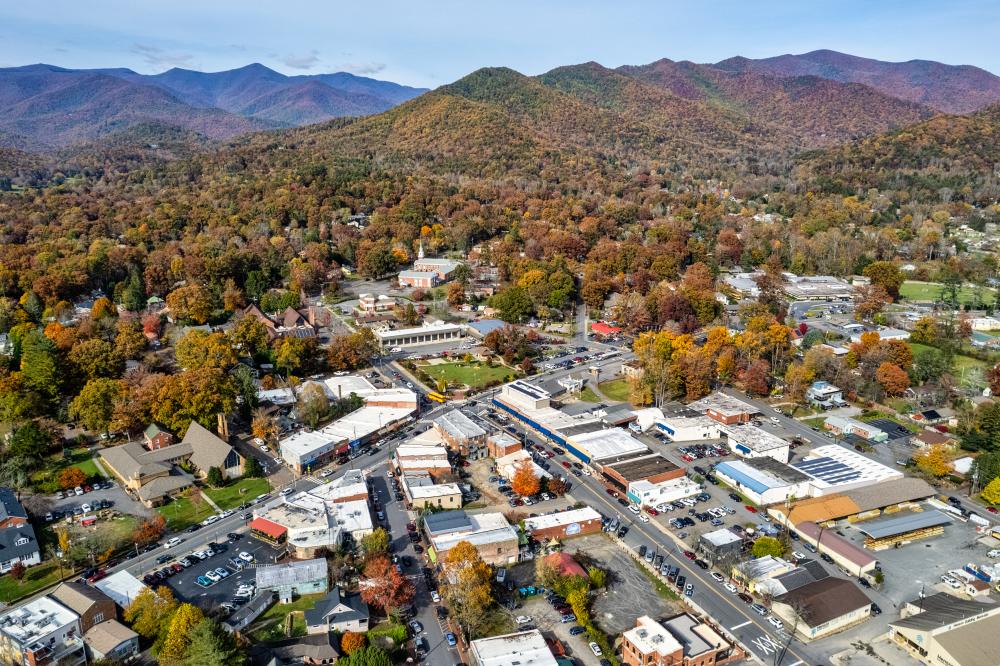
{"type": "Point", "coordinates": [828, 469]}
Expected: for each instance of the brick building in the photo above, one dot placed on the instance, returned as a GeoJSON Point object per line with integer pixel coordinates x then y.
{"type": "Point", "coordinates": [501, 444]}
{"type": "Point", "coordinates": [563, 524]}
{"type": "Point", "coordinates": [678, 641]}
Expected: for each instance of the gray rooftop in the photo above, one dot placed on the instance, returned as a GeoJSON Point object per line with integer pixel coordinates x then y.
{"type": "Point", "coordinates": [941, 609]}
{"type": "Point", "coordinates": [447, 521]}
{"type": "Point", "coordinates": [293, 573]}
{"type": "Point", "coordinates": [458, 425]}
{"type": "Point", "coordinates": [901, 523]}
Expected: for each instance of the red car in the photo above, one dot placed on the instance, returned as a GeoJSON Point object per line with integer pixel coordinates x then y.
{"type": "Point", "coordinates": [96, 576]}
{"type": "Point", "coordinates": [687, 458]}
{"type": "Point", "coordinates": [651, 511]}
{"type": "Point", "coordinates": [749, 508]}
{"type": "Point", "coordinates": [565, 464]}
{"type": "Point", "coordinates": [992, 509]}
{"type": "Point", "coordinates": [466, 463]}
{"type": "Point", "coordinates": [688, 554]}
{"type": "Point", "coordinates": [611, 492]}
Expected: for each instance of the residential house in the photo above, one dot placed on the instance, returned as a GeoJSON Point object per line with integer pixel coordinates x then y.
{"type": "Point", "coordinates": [155, 437]}
{"type": "Point", "coordinates": [111, 641]}
{"type": "Point", "coordinates": [338, 611]}
{"type": "Point", "coordinates": [310, 650]}
{"type": "Point", "coordinates": [12, 512]}
{"type": "Point", "coordinates": [90, 604]}
{"type": "Point", "coordinates": [18, 544]}
{"type": "Point", "coordinates": [290, 323]}
{"type": "Point", "coordinates": [824, 394]}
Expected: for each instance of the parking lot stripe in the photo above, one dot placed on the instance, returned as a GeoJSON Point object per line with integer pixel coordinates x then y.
{"type": "Point", "coordinates": [740, 625]}
{"type": "Point", "coordinates": [798, 663]}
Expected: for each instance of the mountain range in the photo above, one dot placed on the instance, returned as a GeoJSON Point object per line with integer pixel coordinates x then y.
{"type": "Point", "coordinates": [43, 106]}
{"type": "Point", "coordinates": [734, 109]}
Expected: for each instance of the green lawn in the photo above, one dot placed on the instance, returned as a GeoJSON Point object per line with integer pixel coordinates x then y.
{"type": "Point", "coordinates": [588, 395]}
{"type": "Point", "coordinates": [238, 492]}
{"type": "Point", "coordinates": [474, 374]}
{"type": "Point", "coordinates": [35, 578]}
{"type": "Point", "coordinates": [271, 625]}
{"type": "Point", "coordinates": [46, 480]}
{"type": "Point", "coordinates": [969, 371]}
{"type": "Point", "coordinates": [616, 389]}
{"type": "Point", "coordinates": [931, 291]}
{"type": "Point", "coordinates": [180, 513]}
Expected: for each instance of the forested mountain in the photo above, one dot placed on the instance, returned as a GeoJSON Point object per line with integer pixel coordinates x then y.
{"type": "Point", "coordinates": [944, 157]}
{"type": "Point", "coordinates": [813, 110]}
{"type": "Point", "coordinates": [42, 106]}
{"type": "Point", "coordinates": [948, 88]}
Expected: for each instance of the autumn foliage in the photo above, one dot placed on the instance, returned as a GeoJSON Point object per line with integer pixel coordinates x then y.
{"type": "Point", "coordinates": [525, 483]}
{"type": "Point", "coordinates": [352, 641]}
{"type": "Point", "coordinates": [71, 477]}
{"type": "Point", "coordinates": [384, 587]}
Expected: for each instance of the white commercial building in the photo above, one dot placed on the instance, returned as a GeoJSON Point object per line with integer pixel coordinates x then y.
{"type": "Point", "coordinates": [431, 334]}
{"type": "Point", "coordinates": [689, 428]}
{"type": "Point", "coordinates": [764, 480]}
{"type": "Point", "coordinates": [608, 444]}
{"type": "Point", "coordinates": [384, 410]}
{"type": "Point", "coordinates": [834, 468]}
{"type": "Point", "coordinates": [651, 494]}
{"type": "Point", "coordinates": [527, 648]}
{"type": "Point", "coordinates": [750, 441]}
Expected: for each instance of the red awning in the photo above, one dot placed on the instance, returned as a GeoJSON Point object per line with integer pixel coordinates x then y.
{"type": "Point", "coordinates": [267, 527]}
{"type": "Point", "coordinates": [343, 448]}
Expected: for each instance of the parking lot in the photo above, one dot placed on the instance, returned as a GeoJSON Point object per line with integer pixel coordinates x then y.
{"type": "Point", "coordinates": [186, 589]}
{"type": "Point", "coordinates": [122, 502]}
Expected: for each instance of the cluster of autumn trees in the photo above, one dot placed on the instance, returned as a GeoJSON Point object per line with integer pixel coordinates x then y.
{"type": "Point", "coordinates": [180, 633]}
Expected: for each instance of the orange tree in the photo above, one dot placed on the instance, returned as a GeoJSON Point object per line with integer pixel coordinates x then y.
{"type": "Point", "coordinates": [383, 586]}
{"type": "Point", "coordinates": [525, 482]}
{"type": "Point", "coordinates": [468, 593]}
{"type": "Point", "coordinates": [351, 641]}
{"type": "Point", "coordinates": [71, 477]}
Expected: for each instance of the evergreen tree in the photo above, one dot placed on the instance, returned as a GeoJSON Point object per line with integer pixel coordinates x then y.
{"type": "Point", "coordinates": [212, 646]}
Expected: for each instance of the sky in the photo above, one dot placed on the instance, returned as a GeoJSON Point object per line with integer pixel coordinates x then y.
{"type": "Point", "coordinates": [434, 42]}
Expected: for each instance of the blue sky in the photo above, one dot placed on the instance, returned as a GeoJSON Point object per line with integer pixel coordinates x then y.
{"type": "Point", "coordinates": [432, 42]}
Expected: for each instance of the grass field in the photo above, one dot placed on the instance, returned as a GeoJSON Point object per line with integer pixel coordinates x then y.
{"type": "Point", "coordinates": [588, 395]}
{"type": "Point", "coordinates": [238, 492]}
{"type": "Point", "coordinates": [970, 372]}
{"type": "Point", "coordinates": [46, 480]}
{"type": "Point", "coordinates": [35, 578]}
{"type": "Point", "coordinates": [616, 389]}
{"type": "Point", "coordinates": [271, 625]}
{"type": "Point", "coordinates": [180, 513]}
{"type": "Point", "coordinates": [475, 375]}
{"type": "Point", "coordinates": [931, 291]}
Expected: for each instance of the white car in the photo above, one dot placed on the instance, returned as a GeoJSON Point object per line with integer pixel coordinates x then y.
{"type": "Point", "coordinates": [776, 623]}
{"type": "Point", "coordinates": [396, 350]}
{"type": "Point", "coordinates": [633, 508]}
{"type": "Point", "coordinates": [287, 491]}
{"type": "Point", "coordinates": [245, 556]}
{"type": "Point", "coordinates": [212, 576]}
{"type": "Point", "coordinates": [948, 580]}
{"type": "Point", "coordinates": [85, 508]}
{"type": "Point", "coordinates": [523, 619]}
{"type": "Point", "coordinates": [797, 555]}
{"type": "Point", "coordinates": [78, 490]}
{"type": "Point", "coordinates": [717, 576]}
{"type": "Point", "coordinates": [730, 588]}
{"type": "Point", "coordinates": [172, 542]}
{"type": "Point", "coordinates": [263, 447]}
{"type": "Point", "coordinates": [227, 513]}
{"type": "Point", "coordinates": [993, 553]}
{"type": "Point", "coordinates": [326, 472]}
{"type": "Point", "coordinates": [435, 597]}
{"type": "Point", "coordinates": [643, 518]}
{"type": "Point", "coordinates": [596, 649]}
{"type": "Point", "coordinates": [775, 420]}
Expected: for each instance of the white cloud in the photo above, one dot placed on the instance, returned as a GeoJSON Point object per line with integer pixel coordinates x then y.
{"type": "Point", "coordinates": [157, 57]}
{"type": "Point", "coordinates": [307, 61]}
{"type": "Point", "coordinates": [363, 68]}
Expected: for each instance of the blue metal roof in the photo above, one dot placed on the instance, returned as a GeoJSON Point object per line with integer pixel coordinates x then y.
{"type": "Point", "coordinates": [741, 477]}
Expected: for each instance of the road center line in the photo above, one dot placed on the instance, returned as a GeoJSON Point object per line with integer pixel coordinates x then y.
{"type": "Point", "coordinates": [740, 625]}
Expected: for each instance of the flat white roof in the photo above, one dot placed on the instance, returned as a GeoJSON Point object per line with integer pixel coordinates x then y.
{"type": "Point", "coordinates": [561, 518]}
{"type": "Point", "coordinates": [754, 438]}
{"type": "Point", "coordinates": [356, 425]}
{"type": "Point", "coordinates": [651, 637]}
{"type": "Point", "coordinates": [433, 490]}
{"type": "Point", "coordinates": [485, 528]}
{"type": "Point", "coordinates": [420, 330]}
{"type": "Point", "coordinates": [607, 443]}
{"type": "Point", "coordinates": [527, 648]}
{"type": "Point", "coordinates": [723, 404]}
{"type": "Point", "coordinates": [832, 465]}
{"type": "Point", "coordinates": [36, 619]}
{"type": "Point", "coordinates": [122, 587]}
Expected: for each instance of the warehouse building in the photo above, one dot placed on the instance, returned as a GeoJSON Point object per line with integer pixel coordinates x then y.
{"type": "Point", "coordinates": [852, 559]}
{"type": "Point", "coordinates": [605, 446]}
{"type": "Point", "coordinates": [763, 480]}
{"type": "Point", "coordinates": [688, 428]}
{"type": "Point", "coordinates": [650, 467]}
{"type": "Point", "coordinates": [650, 494]}
{"type": "Point", "coordinates": [902, 528]}
{"type": "Point", "coordinates": [865, 503]}
{"type": "Point", "coordinates": [944, 629]}
{"type": "Point", "coordinates": [563, 524]}
{"type": "Point", "coordinates": [835, 468]}
{"type": "Point", "coordinates": [532, 405]}
{"type": "Point", "coordinates": [501, 444]}
{"type": "Point", "coordinates": [724, 408]}
{"type": "Point", "coordinates": [750, 441]}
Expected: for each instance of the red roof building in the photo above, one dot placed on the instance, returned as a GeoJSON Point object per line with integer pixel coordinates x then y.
{"type": "Point", "coordinates": [268, 531]}
{"type": "Point", "coordinates": [602, 328]}
{"type": "Point", "coordinates": [565, 564]}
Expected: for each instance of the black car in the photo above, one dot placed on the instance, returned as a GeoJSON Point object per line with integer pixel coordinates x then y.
{"type": "Point", "coordinates": [875, 609]}
{"type": "Point", "coordinates": [623, 501]}
{"type": "Point", "coordinates": [163, 559]}
{"type": "Point", "coordinates": [702, 564]}
{"type": "Point", "coordinates": [863, 582]}
{"type": "Point", "coordinates": [735, 497]}
{"type": "Point", "coordinates": [622, 531]}
{"type": "Point", "coordinates": [642, 551]}
{"type": "Point", "coordinates": [194, 528]}
{"type": "Point", "coordinates": [680, 582]}
{"type": "Point", "coordinates": [826, 558]}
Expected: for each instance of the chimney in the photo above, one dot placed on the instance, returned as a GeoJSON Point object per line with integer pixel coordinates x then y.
{"type": "Point", "coordinates": [223, 426]}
